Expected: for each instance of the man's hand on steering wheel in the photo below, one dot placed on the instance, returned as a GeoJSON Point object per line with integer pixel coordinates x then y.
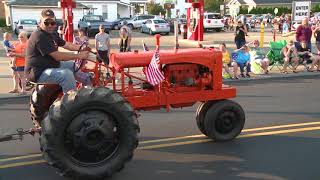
{"type": "Point", "coordinates": [86, 49]}
{"type": "Point", "coordinates": [83, 55]}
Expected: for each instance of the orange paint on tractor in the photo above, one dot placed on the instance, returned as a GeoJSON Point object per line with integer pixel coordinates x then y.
{"type": "Point", "coordinates": [191, 75]}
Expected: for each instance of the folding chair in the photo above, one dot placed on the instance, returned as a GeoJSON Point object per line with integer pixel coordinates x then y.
{"type": "Point", "coordinates": [275, 54]}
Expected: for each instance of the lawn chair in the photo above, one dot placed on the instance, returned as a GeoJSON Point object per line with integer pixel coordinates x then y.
{"type": "Point", "coordinates": [303, 60]}
{"type": "Point", "coordinates": [275, 54]}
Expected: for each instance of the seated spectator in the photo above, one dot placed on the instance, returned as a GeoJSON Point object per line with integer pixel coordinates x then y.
{"type": "Point", "coordinates": [226, 60]}
{"type": "Point", "coordinates": [290, 55]}
{"type": "Point", "coordinates": [243, 60]}
{"type": "Point", "coordinates": [306, 56]}
{"type": "Point", "coordinates": [260, 57]}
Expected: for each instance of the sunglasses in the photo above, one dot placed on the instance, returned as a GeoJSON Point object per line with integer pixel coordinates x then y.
{"type": "Point", "coordinates": [50, 22]}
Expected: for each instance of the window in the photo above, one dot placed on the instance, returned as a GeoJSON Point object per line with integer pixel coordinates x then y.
{"type": "Point", "coordinates": [93, 18]}
{"type": "Point", "coordinates": [159, 21]}
{"type": "Point", "coordinates": [148, 17]}
{"type": "Point", "coordinates": [105, 11]}
{"type": "Point", "coordinates": [29, 22]}
{"type": "Point", "coordinates": [214, 16]}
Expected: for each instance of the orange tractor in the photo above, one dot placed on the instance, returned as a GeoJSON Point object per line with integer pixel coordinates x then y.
{"type": "Point", "coordinates": [92, 132]}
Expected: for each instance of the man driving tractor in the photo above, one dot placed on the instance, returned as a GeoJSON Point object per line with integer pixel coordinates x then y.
{"type": "Point", "coordinates": [45, 64]}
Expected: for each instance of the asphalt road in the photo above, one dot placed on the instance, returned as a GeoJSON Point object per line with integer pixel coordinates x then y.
{"type": "Point", "coordinates": [281, 140]}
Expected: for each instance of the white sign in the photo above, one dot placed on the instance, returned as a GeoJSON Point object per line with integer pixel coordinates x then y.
{"type": "Point", "coordinates": [221, 7]}
{"type": "Point", "coordinates": [276, 10]}
{"type": "Point", "coordinates": [234, 10]}
{"type": "Point", "coordinates": [188, 5]}
{"type": "Point", "coordinates": [301, 9]}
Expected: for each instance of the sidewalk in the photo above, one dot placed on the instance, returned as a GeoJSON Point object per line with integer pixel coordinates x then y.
{"type": "Point", "coordinates": [6, 79]}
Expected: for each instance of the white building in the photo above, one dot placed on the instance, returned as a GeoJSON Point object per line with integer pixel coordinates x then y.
{"type": "Point", "coordinates": [109, 9]}
{"type": "Point", "coordinates": [30, 9]}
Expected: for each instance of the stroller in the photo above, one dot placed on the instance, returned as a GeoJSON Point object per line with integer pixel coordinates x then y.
{"type": "Point", "coordinates": [275, 54]}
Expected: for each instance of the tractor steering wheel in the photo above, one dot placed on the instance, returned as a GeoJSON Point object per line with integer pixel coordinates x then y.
{"type": "Point", "coordinates": [78, 63]}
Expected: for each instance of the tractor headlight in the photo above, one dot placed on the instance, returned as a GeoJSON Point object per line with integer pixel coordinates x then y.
{"type": "Point", "coordinates": [88, 23]}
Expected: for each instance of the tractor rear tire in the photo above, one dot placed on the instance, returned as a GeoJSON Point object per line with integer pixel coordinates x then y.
{"type": "Point", "coordinates": [224, 120]}
{"type": "Point", "coordinates": [89, 134]}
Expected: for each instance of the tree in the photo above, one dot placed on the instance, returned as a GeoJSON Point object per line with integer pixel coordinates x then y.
{"type": "Point", "coordinates": [316, 8]}
{"type": "Point", "coordinates": [155, 8]}
{"type": "Point", "coordinates": [212, 5]}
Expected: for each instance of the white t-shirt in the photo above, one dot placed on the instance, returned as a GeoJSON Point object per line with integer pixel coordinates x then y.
{"type": "Point", "coordinates": [101, 40]}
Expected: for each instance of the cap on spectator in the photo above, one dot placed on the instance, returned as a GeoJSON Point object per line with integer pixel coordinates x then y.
{"type": "Point", "coordinates": [47, 13]}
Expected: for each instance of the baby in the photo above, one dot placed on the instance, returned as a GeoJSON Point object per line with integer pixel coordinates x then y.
{"type": "Point", "coordinates": [8, 47]}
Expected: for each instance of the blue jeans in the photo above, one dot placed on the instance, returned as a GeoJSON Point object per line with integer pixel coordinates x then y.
{"type": "Point", "coordinates": [64, 76]}
{"type": "Point", "coordinates": [242, 65]}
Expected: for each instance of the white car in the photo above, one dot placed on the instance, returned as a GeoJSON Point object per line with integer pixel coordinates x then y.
{"type": "Point", "coordinates": [213, 21]}
{"type": "Point", "coordinates": [26, 25]}
{"type": "Point", "coordinates": [154, 26]}
{"type": "Point", "coordinates": [136, 22]}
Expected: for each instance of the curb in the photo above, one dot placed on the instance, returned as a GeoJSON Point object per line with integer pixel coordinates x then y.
{"type": "Point", "coordinates": [243, 81]}
{"type": "Point", "coordinates": [266, 78]}
{"type": "Point", "coordinates": [15, 97]}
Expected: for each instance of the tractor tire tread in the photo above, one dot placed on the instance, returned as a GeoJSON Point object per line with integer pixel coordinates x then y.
{"type": "Point", "coordinates": [54, 121]}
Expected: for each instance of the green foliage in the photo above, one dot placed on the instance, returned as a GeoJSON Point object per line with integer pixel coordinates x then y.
{"type": "Point", "coordinates": [316, 8]}
{"type": "Point", "coordinates": [212, 5]}
{"type": "Point", "coordinates": [259, 10]}
{"type": "Point", "coordinates": [2, 22]}
{"type": "Point", "coordinates": [137, 9]}
{"type": "Point", "coordinates": [155, 8]}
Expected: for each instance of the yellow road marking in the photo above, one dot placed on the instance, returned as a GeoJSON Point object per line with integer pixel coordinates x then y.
{"type": "Point", "coordinates": [245, 130]}
{"type": "Point", "coordinates": [20, 157]}
{"type": "Point", "coordinates": [241, 136]}
{"type": "Point", "coordinates": [181, 143]}
{"type": "Point", "coordinates": [22, 164]}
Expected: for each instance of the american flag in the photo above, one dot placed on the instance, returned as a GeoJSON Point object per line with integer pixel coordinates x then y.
{"type": "Point", "coordinates": [153, 73]}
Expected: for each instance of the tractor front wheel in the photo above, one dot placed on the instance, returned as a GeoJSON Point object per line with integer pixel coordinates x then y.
{"type": "Point", "coordinates": [201, 113]}
{"type": "Point", "coordinates": [224, 120]}
{"type": "Point", "coordinates": [89, 134]}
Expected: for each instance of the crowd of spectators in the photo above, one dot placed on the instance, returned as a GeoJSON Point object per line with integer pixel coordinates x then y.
{"type": "Point", "coordinates": [246, 56]}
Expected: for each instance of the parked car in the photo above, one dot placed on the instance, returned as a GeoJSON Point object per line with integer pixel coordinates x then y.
{"type": "Point", "coordinates": [155, 26]}
{"type": "Point", "coordinates": [26, 25]}
{"type": "Point", "coordinates": [181, 21]}
{"type": "Point", "coordinates": [136, 22]}
{"type": "Point", "coordinates": [91, 23]}
{"type": "Point", "coordinates": [213, 21]}
{"type": "Point", "coordinates": [117, 24]}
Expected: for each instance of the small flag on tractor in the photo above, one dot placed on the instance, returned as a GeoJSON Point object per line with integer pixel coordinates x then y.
{"type": "Point", "coordinates": [153, 73]}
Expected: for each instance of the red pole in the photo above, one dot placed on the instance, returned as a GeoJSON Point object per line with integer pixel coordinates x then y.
{"type": "Point", "coordinates": [157, 40]}
{"type": "Point", "coordinates": [68, 5]}
{"type": "Point", "coordinates": [201, 13]}
{"type": "Point", "coordinates": [274, 34]}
